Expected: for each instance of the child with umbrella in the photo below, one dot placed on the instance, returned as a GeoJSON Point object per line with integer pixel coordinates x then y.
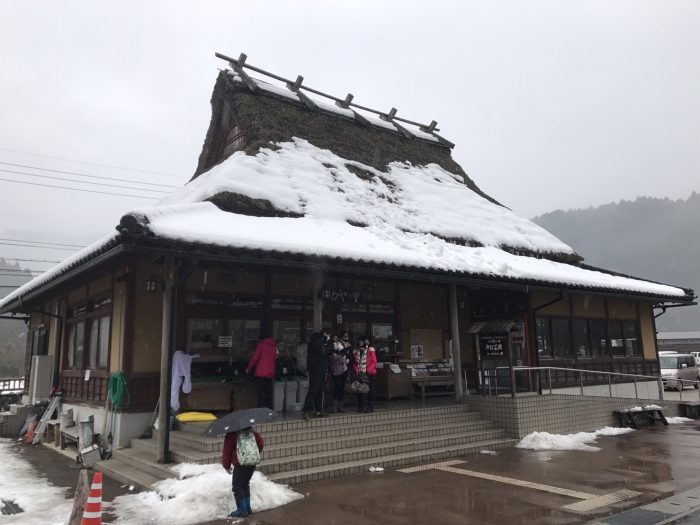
{"type": "Point", "coordinates": [241, 453]}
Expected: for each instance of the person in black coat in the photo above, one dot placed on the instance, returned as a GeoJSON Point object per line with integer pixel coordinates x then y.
{"type": "Point", "coordinates": [320, 348]}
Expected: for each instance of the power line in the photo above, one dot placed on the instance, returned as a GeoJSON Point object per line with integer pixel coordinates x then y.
{"type": "Point", "coordinates": [79, 189]}
{"type": "Point", "coordinates": [81, 181]}
{"type": "Point", "coordinates": [44, 242]}
{"type": "Point", "coordinates": [34, 246]}
{"type": "Point", "coordinates": [86, 175]}
{"type": "Point", "coordinates": [6, 258]}
{"type": "Point", "coordinates": [90, 163]}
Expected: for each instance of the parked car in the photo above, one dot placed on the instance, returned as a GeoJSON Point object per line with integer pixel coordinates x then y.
{"type": "Point", "coordinates": [677, 367]}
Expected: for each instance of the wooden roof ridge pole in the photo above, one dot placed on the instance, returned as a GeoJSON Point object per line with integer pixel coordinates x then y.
{"type": "Point", "coordinates": [237, 66]}
{"type": "Point", "coordinates": [296, 86]}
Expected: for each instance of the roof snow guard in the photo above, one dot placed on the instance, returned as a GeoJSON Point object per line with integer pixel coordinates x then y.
{"type": "Point", "coordinates": [296, 90]}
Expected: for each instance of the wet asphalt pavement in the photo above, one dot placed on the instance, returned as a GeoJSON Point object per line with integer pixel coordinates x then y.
{"type": "Point", "coordinates": [656, 461]}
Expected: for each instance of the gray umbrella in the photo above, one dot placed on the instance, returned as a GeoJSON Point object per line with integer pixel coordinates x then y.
{"type": "Point", "coordinates": [239, 420]}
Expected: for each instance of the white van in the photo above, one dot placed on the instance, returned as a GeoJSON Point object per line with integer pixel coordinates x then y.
{"type": "Point", "coordinates": [678, 366]}
{"type": "Point", "coordinates": [696, 355]}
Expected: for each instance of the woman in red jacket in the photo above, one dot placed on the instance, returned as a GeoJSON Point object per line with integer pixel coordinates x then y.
{"type": "Point", "coordinates": [241, 473]}
{"type": "Point", "coordinates": [263, 366]}
{"type": "Point", "coordinates": [364, 369]}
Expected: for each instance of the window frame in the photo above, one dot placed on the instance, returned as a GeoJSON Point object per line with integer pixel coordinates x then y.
{"type": "Point", "coordinates": [79, 324]}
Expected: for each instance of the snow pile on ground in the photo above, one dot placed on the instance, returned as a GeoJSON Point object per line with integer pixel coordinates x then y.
{"type": "Point", "coordinates": [41, 501]}
{"type": "Point", "coordinates": [678, 420]}
{"type": "Point", "coordinates": [579, 441]}
{"type": "Point", "coordinates": [201, 493]}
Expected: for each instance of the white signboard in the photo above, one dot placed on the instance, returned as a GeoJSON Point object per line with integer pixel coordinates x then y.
{"type": "Point", "coordinates": [225, 341]}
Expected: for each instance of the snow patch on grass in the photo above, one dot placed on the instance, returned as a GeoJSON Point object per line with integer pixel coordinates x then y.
{"type": "Point", "coordinates": [578, 441]}
{"type": "Point", "coordinates": [41, 501]}
{"type": "Point", "coordinates": [201, 493]}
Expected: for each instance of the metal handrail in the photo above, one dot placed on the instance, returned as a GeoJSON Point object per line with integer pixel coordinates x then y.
{"type": "Point", "coordinates": [610, 375]}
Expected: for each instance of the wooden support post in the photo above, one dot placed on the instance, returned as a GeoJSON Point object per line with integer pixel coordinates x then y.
{"type": "Point", "coordinates": [163, 452]}
{"type": "Point", "coordinates": [318, 301]}
{"type": "Point", "coordinates": [345, 104]}
{"type": "Point", "coordinates": [456, 349]}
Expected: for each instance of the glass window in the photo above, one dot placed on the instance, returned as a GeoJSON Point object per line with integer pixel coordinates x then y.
{"type": "Point", "coordinates": [103, 352]}
{"type": "Point", "coordinates": [70, 353]}
{"type": "Point", "coordinates": [582, 346]}
{"type": "Point", "coordinates": [544, 343]}
{"type": "Point", "coordinates": [631, 339]}
{"type": "Point", "coordinates": [617, 338]}
{"type": "Point", "coordinates": [221, 340]}
{"type": "Point", "coordinates": [79, 344]}
{"type": "Point", "coordinates": [94, 342]}
{"type": "Point", "coordinates": [599, 346]}
{"type": "Point", "coordinates": [561, 341]}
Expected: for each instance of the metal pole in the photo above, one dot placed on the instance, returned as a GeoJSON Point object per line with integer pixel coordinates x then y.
{"type": "Point", "coordinates": [636, 395]}
{"type": "Point", "coordinates": [660, 384]}
{"type": "Point", "coordinates": [610, 384]}
{"type": "Point", "coordinates": [680, 392]}
{"type": "Point", "coordinates": [549, 375]}
{"type": "Point", "coordinates": [580, 378]}
{"type": "Point", "coordinates": [456, 348]}
{"type": "Point", "coordinates": [163, 454]}
{"type": "Point", "coordinates": [318, 302]}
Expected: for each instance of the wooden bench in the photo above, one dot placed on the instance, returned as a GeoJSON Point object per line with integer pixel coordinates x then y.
{"type": "Point", "coordinates": [444, 385]}
{"type": "Point", "coordinates": [69, 434]}
{"type": "Point", "coordinates": [53, 431]}
{"type": "Point", "coordinates": [689, 409]}
{"type": "Point", "coordinates": [633, 416]}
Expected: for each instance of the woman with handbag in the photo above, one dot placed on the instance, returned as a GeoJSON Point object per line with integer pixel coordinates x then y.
{"type": "Point", "coordinates": [364, 369]}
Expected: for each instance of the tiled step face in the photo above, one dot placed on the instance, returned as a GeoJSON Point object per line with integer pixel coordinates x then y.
{"type": "Point", "coordinates": [293, 447]}
{"type": "Point", "coordinates": [342, 420]}
{"type": "Point", "coordinates": [290, 463]}
{"type": "Point", "coordinates": [397, 460]}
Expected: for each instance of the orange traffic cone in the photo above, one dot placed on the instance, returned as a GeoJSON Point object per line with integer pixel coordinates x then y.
{"type": "Point", "coordinates": [93, 507]}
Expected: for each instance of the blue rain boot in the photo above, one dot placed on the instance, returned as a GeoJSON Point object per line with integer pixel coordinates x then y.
{"type": "Point", "coordinates": [246, 502]}
{"type": "Point", "coordinates": [241, 509]}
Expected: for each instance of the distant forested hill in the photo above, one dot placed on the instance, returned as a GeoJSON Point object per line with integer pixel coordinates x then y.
{"type": "Point", "coordinates": [12, 333]}
{"type": "Point", "coordinates": [658, 239]}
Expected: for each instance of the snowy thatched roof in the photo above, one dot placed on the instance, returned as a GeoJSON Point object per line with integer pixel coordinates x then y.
{"type": "Point", "coordinates": [278, 176]}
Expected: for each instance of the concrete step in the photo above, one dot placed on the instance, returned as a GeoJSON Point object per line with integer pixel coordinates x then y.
{"type": "Point", "coordinates": [145, 461]}
{"type": "Point", "coordinates": [392, 461]}
{"type": "Point", "coordinates": [314, 430]}
{"type": "Point", "coordinates": [295, 457]}
{"type": "Point", "coordinates": [128, 474]}
{"type": "Point", "coordinates": [398, 446]}
{"type": "Point", "coordinates": [360, 439]}
{"type": "Point", "coordinates": [296, 422]}
{"type": "Point", "coordinates": [426, 426]}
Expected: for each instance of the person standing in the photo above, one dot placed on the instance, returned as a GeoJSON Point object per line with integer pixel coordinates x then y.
{"type": "Point", "coordinates": [339, 370]}
{"type": "Point", "coordinates": [317, 367]}
{"type": "Point", "coordinates": [240, 455]}
{"type": "Point", "coordinates": [364, 369]}
{"type": "Point", "coordinates": [263, 366]}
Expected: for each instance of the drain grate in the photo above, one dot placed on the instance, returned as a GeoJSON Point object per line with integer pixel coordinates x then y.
{"type": "Point", "coordinates": [598, 502]}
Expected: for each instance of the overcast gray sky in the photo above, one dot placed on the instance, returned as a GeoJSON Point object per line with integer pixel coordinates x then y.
{"type": "Point", "coordinates": [551, 104]}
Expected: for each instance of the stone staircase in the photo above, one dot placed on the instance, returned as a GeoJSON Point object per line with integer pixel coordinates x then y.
{"type": "Point", "coordinates": [297, 450]}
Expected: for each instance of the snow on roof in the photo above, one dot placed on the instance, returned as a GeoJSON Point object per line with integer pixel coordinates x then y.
{"type": "Point", "coordinates": [300, 178]}
{"type": "Point", "coordinates": [408, 216]}
{"type": "Point", "coordinates": [70, 262]}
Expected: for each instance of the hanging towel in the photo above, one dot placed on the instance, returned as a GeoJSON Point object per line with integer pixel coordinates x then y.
{"type": "Point", "coordinates": [182, 364]}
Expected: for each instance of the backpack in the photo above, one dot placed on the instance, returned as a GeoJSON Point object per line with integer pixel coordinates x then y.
{"type": "Point", "coordinates": [247, 449]}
